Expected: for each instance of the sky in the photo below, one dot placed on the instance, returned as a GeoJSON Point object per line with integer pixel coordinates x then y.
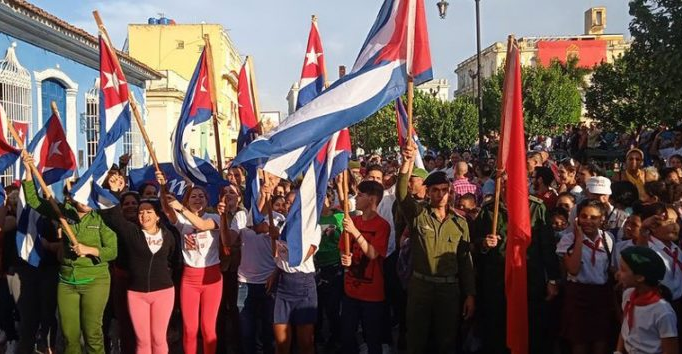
{"type": "Point", "coordinates": [275, 32]}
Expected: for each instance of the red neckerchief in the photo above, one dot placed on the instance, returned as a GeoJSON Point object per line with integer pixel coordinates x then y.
{"type": "Point", "coordinates": [594, 247]}
{"type": "Point", "coordinates": [644, 299]}
{"type": "Point", "coordinates": [676, 261]}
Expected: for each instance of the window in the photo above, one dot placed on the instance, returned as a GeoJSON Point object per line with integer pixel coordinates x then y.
{"type": "Point", "coordinates": [53, 91]}
{"type": "Point", "coordinates": [598, 21]}
{"type": "Point", "coordinates": [15, 97]}
{"type": "Point", "coordinates": [91, 117]}
{"type": "Point", "coordinates": [180, 44]}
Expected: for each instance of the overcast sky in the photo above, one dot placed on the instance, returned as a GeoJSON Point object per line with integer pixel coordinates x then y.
{"type": "Point", "coordinates": [275, 32]}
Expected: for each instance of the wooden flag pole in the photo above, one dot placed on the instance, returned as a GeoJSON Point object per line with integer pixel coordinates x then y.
{"type": "Point", "coordinates": [271, 219]}
{"type": "Point", "coordinates": [346, 210]}
{"type": "Point", "coordinates": [410, 104]}
{"type": "Point", "coordinates": [133, 102]}
{"type": "Point", "coordinates": [214, 103]}
{"type": "Point", "coordinates": [50, 198]}
{"type": "Point", "coordinates": [500, 163]}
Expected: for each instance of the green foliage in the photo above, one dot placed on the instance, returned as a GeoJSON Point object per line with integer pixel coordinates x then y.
{"type": "Point", "coordinates": [644, 87]}
{"type": "Point", "coordinates": [551, 97]}
{"type": "Point", "coordinates": [440, 125]}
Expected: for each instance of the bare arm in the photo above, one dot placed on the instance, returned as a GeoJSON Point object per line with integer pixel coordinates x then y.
{"type": "Point", "coordinates": [365, 246]}
{"type": "Point", "coordinates": [669, 345]}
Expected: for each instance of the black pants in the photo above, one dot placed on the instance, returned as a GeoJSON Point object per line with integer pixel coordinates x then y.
{"type": "Point", "coordinates": [256, 320]}
{"type": "Point", "coordinates": [369, 314]}
{"type": "Point", "coordinates": [329, 293]}
{"type": "Point", "coordinates": [35, 293]}
{"type": "Point", "coordinates": [229, 340]}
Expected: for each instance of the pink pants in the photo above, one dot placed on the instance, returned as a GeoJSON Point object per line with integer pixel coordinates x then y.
{"type": "Point", "coordinates": [200, 293]}
{"type": "Point", "coordinates": [150, 313]}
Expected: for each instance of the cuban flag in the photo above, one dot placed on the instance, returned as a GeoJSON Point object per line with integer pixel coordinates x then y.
{"type": "Point", "coordinates": [401, 125]}
{"type": "Point", "coordinates": [55, 161]}
{"type": "Point", "coordinates": [313, 73]}
{"type": "Point", "coordinates": [8, 154]}
{"type": "Point", "coordinates": [197, 108]}
{"type": "Point", "coordinates": [302, 228]}
{"type": "Point", "coordinates": [249, 127]}
{"type": "Point", "coordinates": [396, 48]}
{"type": "Point", "coordinates": [114, 122]}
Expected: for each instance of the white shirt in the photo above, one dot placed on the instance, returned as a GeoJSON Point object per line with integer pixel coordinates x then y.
{"type": "Point", "coordinates": [257, 263]}
{"type": "Point", "coordinates": [651, 324]}
{"type": "Point", "coordinates": [588, 273]}
{"type": "Point", "coordinates": [154, 241]}
{"type": "Point", "coordinates": [673, 274]}
{"type": "Point", "coordinates": [239, 220]}
{"type": "Point", "coordinates": [282, 259]}
{"type": "Point", "coordinates": [200, 249]}
{"type": "Point", "coordinates": [385, 210]}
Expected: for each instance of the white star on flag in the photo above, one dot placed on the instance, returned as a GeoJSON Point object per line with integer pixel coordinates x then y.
{"type": "Point", "coordinates": [113, 81]}
{"type": "Point", "coordinates": [202, 87]}
{"type": "Point", "coordinates": [311, 57]}
{"type": "Point", "coordinates": [54, 149]}
{"type": "Point", "coordinates": [21, 135]}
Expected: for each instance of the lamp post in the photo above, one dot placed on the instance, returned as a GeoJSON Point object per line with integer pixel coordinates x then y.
{"type": "Point", "coordinates": [442, 11]}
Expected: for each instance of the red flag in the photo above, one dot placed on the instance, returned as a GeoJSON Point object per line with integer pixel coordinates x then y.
{"type": "Point", "coordinates": [512, 159]}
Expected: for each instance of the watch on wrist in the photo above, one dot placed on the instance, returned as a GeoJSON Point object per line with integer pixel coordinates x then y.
{"type": "Point", "coordinates": [552, 281]}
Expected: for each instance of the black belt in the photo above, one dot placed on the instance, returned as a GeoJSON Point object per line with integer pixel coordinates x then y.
{"type": "Point", "coordinates": [434, 279]}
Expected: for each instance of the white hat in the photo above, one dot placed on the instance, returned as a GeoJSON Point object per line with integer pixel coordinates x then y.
{"type": "Point", "coordinates": [599, 185]}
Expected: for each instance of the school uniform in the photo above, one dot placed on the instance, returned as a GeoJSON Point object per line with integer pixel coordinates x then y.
{"type": "Point", "coordinates": [645, 324]}
{"type": "Point", "coordinates": [588, 312]}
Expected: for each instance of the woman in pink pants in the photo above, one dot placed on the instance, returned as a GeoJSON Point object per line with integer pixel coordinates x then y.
{"type": "Point", "coordinates": [202, 282]}
{"type": "Point", "coordinates": [152, 254]}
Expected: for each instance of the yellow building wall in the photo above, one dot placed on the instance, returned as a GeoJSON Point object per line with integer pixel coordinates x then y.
{"type": "Point", "coordinates": [177, 48]}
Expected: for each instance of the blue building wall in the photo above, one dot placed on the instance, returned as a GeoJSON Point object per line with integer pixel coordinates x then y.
{"type": "Point", "coordinates": [36, 59]}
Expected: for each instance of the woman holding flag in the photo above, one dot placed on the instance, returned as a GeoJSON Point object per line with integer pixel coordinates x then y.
{"type": "Point", "coordinates": [202, 282]}
{"type": "Point", "coordinates": [84, 279]}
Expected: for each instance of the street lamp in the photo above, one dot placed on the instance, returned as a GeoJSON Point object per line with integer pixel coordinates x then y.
{"type": "Point", "coordinates": [442, 11]}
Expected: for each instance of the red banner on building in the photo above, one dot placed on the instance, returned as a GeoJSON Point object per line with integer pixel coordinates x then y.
{"type": "Point", "coordinates": [588, 52]}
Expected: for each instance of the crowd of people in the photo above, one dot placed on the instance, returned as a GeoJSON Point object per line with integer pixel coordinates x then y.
{"type": "Point", "coordinates": [422, 271]}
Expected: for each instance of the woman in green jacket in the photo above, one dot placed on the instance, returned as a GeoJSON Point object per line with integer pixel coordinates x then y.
{"type": "Point", "coordinates": [84, 279]}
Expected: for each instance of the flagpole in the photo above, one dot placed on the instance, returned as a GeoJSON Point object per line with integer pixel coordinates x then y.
{"type": "Point", "coordinates": [346, 210]}
{"type": "Point", "coordinates": [500, 164]}
{"type": "Point", "coordinates": [48, 194]}
{"type": "Point", "coordinates": [271, 218]}
{"type": "Point", "coordinates": [133, 102]}
{"type": "Point", "coordinates": [214, 103]}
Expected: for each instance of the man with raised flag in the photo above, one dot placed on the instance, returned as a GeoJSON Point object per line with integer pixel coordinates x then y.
{"type": "Point", "coordinates": [197, 108]}
{"type": "Point", "coordinates": [37, 241]}
{"type": "Point", "coordinates": [313, 75]}
{"type": "Point", "coordinates": [515, 246]}
{"type": "Point", "coordinates": [114, 122]}
{"type": "Point", "coordinates": [401, 124]}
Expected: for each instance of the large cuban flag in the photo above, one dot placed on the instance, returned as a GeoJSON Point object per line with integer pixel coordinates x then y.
{"type": "Point", "coordinates": [396, 48]}
{"type": "Point", "coordinates": [302, 228]}
{"type": "Point", "coordinates": [197, 108]}
{"type": "Point", "coordinates": [401, 125]}
{"type": "Point", "coordinates": [312, 75]}
{"type": "Point", "coordinates": [55, 160]}
{"type": "Point", "coordinates": [114, 122]}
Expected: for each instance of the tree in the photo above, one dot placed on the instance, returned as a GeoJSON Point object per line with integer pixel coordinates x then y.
{"type": "Point", "coordinates": [444, 126]}
{"type": "Point", "coordinates": [551, 98]}
{"type": "Point", "coordinates": [655, 57]}
{"type": "Point", "coordinates": [441, 126]}
{"type": "Point", "coordinates": [615, 98]}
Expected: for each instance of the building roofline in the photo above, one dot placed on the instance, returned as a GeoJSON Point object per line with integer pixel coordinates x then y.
{"type": "Point", "coordinates": [29, 23]}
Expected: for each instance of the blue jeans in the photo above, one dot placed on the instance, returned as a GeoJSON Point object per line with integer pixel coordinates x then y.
{"type": "Point", "coordinates": [370, 314]}
{"type": "Point", "coordinates": [255, 317]}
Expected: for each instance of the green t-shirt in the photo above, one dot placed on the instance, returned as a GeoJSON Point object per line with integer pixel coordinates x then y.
{"type": "Point", "coordinates": [332, 226]}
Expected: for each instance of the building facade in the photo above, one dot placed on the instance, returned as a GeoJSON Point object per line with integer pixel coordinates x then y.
{"type": "Point", "coordinates": [591, 48]}
{"type": "Point", "coordinates": [174, 49]}
{"type": "Point", "coordinates": [47, 59]}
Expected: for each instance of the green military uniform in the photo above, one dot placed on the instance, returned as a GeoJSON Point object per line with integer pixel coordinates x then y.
{"type": "Point", "coordinates": [83, 288]}
{"type": "Point", "coordinates": [442, 273]}
{"type": "Point", "coordinates": [542, 265]}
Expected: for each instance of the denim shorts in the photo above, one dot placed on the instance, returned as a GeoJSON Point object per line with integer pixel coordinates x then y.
{"type": "Point", "coordinates": [296, 299]}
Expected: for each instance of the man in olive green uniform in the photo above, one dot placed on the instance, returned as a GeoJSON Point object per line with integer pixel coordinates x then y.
{"type": "Point", "coordinates": [543, 273]}
{"type": "Point", "coordinates": [441, 264]}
